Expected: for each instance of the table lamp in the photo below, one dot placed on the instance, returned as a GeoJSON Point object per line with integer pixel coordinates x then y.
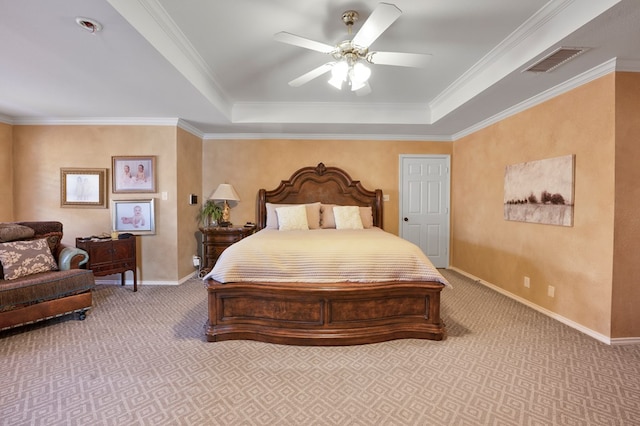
{"type": "Point", "coordinates": [226, 193]}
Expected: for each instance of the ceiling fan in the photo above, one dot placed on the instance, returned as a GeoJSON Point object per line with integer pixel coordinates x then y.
{"type": "Point", "coordinates": [350, 56]}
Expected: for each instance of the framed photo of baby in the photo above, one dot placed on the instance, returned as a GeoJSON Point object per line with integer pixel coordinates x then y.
{"type": "Point", "coordinates": [134, 216]}
{"type": "Point", "coordinates": [134, 174]}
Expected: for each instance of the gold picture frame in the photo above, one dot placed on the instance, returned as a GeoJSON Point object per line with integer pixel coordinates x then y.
{"type": "Point", "coordinates": [133, 174]}
{"type": "Point", "coordinates": [85, 188]}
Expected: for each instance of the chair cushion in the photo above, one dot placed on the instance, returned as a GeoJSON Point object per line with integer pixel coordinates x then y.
{"type": "Point", "coordinates": [13, 231]}
{"type": "Point", "coordinates": [43, 287]}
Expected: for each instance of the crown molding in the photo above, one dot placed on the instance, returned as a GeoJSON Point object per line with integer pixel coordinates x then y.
{"type": "Point", "coordinates": [330, 112]}
{"type": "Point", "coordinates": [97, 121]}
{"type": "Point", "coordinates": [153, 22]}
{"type": "Point", "coordinates": [187, 127]}
{"type": "Point", "coordinates": [584, 78]}
{"type": "Point", "coordinates": [555, 21]}
{"type": "Point", "coordinates": [601, 70]}
{"type": "Point", "coordinates": [6, 119]}
{"type": "Point", "coordinates": [322, 136]}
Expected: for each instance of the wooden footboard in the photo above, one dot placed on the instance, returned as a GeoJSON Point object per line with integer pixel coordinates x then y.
{"type": "Point", "coordinates": [324, 314]}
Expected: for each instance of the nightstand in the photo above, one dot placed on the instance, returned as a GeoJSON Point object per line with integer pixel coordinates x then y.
{"type": "Point", "coordinates": [107, 257]}
{"type": "Point", "coordinates": [216, 239]}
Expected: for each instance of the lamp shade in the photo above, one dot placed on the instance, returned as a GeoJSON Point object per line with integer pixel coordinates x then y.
{"type": "Point", "coordinates": [355, 73]}
{"type": "Point", "coordinates": [225, 192]}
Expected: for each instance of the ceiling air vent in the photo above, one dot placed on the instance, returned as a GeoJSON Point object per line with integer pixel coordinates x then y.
{"type": "Point", "coordinates": [556, 58]}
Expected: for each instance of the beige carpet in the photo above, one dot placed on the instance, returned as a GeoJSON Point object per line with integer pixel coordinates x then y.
{"type": "Point", "coordinates": [140, 358]}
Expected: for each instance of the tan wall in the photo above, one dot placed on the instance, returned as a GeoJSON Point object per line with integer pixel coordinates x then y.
{"type": "Point", "coordinates": [189, 166]}
{"type": "Point", "coordinates": [6, 172]}
{"type": "Point", "coordinates": [253, 164]}
{"type": "Point", "coordinates": [40, 152]}
{"type": "Point", "coordinates": [625, 320]}
{"type": "Point", "coordinates": [593, 270]}
{"type": "Point", "coordinates": [576, 260]}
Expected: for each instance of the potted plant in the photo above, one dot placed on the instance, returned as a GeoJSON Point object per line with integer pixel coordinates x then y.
{"type": "Point", "coordinates": [210, 213]}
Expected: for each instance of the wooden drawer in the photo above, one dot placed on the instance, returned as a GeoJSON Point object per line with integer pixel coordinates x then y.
{"type": "Point", "coordinates": [107, 257]}
{"type": "Point", "coordinates": [215, 240]}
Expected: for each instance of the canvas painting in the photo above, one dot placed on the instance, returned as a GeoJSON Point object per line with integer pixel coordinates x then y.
{"type": "Point", "coordinates": [540, 191]}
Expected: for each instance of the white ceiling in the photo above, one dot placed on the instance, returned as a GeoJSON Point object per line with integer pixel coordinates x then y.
{"type": "Point", "coordinates": [213, 67]}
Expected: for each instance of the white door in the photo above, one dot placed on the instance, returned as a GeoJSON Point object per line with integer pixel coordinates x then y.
{"type": "Point", "coordinates": [424, 204]}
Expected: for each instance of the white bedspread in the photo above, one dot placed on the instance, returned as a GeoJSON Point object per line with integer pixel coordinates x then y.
{"type": "Point", "coordinates": [324, 256]}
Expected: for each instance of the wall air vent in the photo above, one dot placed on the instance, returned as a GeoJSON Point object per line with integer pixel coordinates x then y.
{"type": "Point", "coordinates": [556, 58]}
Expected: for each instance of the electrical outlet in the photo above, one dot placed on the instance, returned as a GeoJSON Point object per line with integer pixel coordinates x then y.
{"type": "Point", "coordinates": [551, 291]}
{"type": "Point", "coordinates": [196, 261]}
{"type": "Point", "coordinates": [527, 282]}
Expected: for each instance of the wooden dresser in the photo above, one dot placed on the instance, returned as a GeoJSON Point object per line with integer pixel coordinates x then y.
{"type": "Point", "coordinates": [107, 257]}
{"type": "Point", "coordinates": [216, 239]}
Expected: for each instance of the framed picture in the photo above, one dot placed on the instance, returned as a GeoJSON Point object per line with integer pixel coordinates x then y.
{"type": "Point", "coordinates": [83, 187]}
{"type": "Point", "coordinates": [540, 191]}
{"type": "Point", "coordinates": [134, 216]}
{"type": "Point", "coordinates": [133, 174]}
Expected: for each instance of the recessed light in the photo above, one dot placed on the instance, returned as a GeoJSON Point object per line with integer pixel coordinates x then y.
{"type": "Point", "coordinates": [89, 24]}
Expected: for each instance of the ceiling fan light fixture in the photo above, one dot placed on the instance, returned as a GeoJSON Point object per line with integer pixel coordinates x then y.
{"type": "Point", "coordinates": [356, 75]}
{"type": "Point", "coordinates": [339, 73]}
{"type": "Point", "coordinates": [336, 82]}
{"type": "Point", "coordinates": [349, 56]}
{"type": "Point", "coordinates": [359, 75]}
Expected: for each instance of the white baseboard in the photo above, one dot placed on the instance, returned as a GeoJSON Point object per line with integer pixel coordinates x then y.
{"type": "Point", "coordinates": [144, 282]}
{"type": "Point", "coordinates": [130, 283]}
{"type": "Point", "coordinates": [619, 341]}
{"type": "Point", "coordinates": [598, 336]}
{"type": "Point", "coordinates": [188, 277]}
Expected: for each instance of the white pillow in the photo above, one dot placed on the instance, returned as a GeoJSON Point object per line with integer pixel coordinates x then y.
{"type": "Point", "coordinates": [292, 218]}
{"type": "Point", "coordinates": [347, 217]}
{"type": "Point", "coordinates": [313, 214]}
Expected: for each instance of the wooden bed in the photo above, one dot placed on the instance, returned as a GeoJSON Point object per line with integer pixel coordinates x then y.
{"type": "Point", "coordinates": [342, 313]}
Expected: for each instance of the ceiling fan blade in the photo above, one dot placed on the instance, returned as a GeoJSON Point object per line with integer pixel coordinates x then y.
{"type": "Point", "coordinates": [314, 73]}
{"type": "Point", "coordinates": [416, 60]}
{"type": "Point", "coordinates": [285, 37]}
{"type": "Point", "coordinates": [380, 19]}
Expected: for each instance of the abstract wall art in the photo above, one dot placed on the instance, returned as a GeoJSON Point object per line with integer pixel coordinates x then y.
{"type": "Point", "coordinates": [540, 191]}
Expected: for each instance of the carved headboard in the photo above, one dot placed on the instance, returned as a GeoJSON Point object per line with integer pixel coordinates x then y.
{"type": "Point", "coordinates": [329, 185]}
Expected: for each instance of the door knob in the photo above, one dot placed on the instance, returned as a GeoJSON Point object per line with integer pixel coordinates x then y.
{"type": "Point", "coordinates": [406, 219]}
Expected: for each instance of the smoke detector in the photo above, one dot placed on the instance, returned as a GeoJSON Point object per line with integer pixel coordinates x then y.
{"type": "Point", "coordinates": [89, 24]}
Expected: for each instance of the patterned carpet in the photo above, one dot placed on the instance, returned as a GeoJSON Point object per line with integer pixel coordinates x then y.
{"type": "Point", "coordinates": [141, 359]}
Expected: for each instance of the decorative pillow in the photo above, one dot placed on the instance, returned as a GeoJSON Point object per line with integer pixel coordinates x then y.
{"type": "Point", "coordinates": [313, 214]}
{"type": "Point", "coordinates": [347, 217]}
{"type": "Point", "coordinates": [327, 219]}
{"type": "Point", "coordinates": [326, 216]}
{"type": "Point", "coordinates": [366, 214]}
{"type": "Point", "coordinates": [22, 258]}
{"type": "Point", "coordinates": [13, 232]}
{"type": "Point", "coordinates": [292, 218]}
